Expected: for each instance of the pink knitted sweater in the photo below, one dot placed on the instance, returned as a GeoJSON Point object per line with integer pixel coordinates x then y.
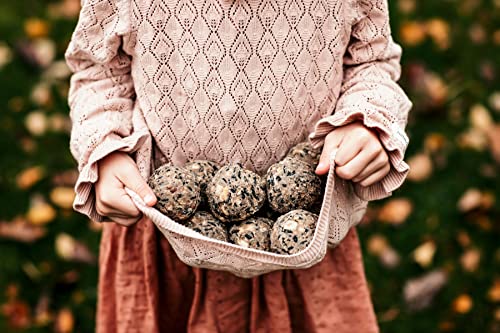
{"type": "Point", "coordinates": [229, 80]}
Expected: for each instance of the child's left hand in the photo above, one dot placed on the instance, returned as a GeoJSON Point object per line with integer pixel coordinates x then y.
{"type": "Point", "coordinates": [360, 156]}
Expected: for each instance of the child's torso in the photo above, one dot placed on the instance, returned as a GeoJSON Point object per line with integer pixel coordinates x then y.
{"type": "Point", "coordinates": [236, 80]}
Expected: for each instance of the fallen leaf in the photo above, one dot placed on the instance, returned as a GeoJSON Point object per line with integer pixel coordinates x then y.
{"type": "Point", "coordinates": [395, 211]}
{"type": "Point", "coordinates": [29, 177]}
{"type": "Point", "coordinates": [463, 238]}
{"type": "Point", "coordinates": [20, 230]}
{"type": "Point", "coordinates": [42, 315]}
{"type": "Point", "coordinates": [36, 28]}
{"type": "Point", "coordinates": [473, 139]}
{"type": "Point", "coordinates": [65, 321]}
{"type": "Point", "coordinates": [439, 30]}
{"type": "Point", "coordinates": [470, 200]}
{"type": "Point", "coordinates": [493, 135]}
{"type": "Point", "coordinates": [41, 94]}
{"type": "Point", "coordinates": [435, 88]}
{"type": "Point", "coordinates": [424, 254]}
{"type": "Point", "coordinates": [39, 53]}
{"type": "Point", "coordinates": [390, 258]}
{"type": "Point", "coordinates": [5, 54]}
{"type": "Point", "coordinates": [434, 142]}
{"type": "Point", "coordinates": [60, 123]}
{"type": "Point", "coordinates": [462, 304]}
{"type": "Point", "coordinates": [494, 291]}
{"type": "Point", "coordinates": [480, 118]}
{"type": "Point", "coordinates": [17, 314]}
{"type": "Point", "coordinates": [477, 34]}
{"type": "Point", "coordinates": [420, 167]}
{"type": "Point", "coordinates": [40, 212]}
{"type": "Point", "coordinates": [36, 123]}
{"type": "Point", "coordinates": [389, 315]}
{"type": "Point", "coordinates": [470, 260]}
{"type": "Point", "coordinates": [58, 70]}
{"type": "Point", "coordinates": [419, 292]}
{"type": "Point", "coordinates": [494, 99]}
{"type": "Point", "coordinates": [377, 243]}
{"type": "Point", "coordinates": [63, 197]}
{"type": "Point", "coordinates": [407, 6]}
{"type": "Point", "coordinates": [72, 250]}
{"type": "Point", "coordinates": [65, 178]}
{"type": "Point", "coordinates": [412, 33]}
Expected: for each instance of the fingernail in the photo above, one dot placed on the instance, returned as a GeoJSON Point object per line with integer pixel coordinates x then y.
{"type": "Point", "coordinates": [320, 166]}
{"type": "Point", "coordinates": [149, 199]}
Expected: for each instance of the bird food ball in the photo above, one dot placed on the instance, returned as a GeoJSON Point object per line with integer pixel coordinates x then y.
{"type": "Point", "coordinates": [292, 184]}
{"type": "Point", "coordinates": [207, 225]}
{"type": "Point", "coordinates": [252, 233]}
{"type": "Point", "coordinates": [203, 171]}
{"type": "Point", "coordinates": [293, 231]}
{"type": "Point", "coordinates": [235, 193]}
{"type": "Point", "coordinates": [305, 152]}
{"type": "Point", "coordinates": [177, 191]}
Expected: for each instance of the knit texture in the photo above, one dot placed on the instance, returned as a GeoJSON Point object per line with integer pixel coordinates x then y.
{"type": "Point", "coordinates": [239, 80]}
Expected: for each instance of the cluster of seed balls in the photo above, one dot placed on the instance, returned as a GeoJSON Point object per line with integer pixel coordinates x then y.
{"type": "Point", "coordinates": [230, 203]}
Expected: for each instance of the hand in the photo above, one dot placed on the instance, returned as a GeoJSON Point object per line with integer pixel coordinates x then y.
{"type": "Point", "coordinates": [360, 156]}
{"type": "Point", "coordinates": [117, 171]}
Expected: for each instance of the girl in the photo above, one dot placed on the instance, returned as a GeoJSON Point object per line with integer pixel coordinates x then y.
{"type": "Point", "coordinates": [160, 81]}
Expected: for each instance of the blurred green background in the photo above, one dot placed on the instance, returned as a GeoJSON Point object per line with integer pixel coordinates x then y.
{"type": "Point", "coordinates": [432, 250]}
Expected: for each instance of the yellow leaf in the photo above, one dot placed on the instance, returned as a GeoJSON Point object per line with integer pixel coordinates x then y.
{"type": "Point", "coordinates": [424, 254]}
{"type": "Point", "coordinates": [480, 118]}
{"type": "Point", "coordinates": [412, 33]}
{"type": "Point", "coordinates": [36, 123]}
{"type": "Point", "coordinates": [377, 244]}
{"type": "Point", "coordinates": [470, 260]}
{"type": "Point", "coordinates": [63, 197]}
{"type": "Point", "coordinates": [470, 200]}
{"type": "Point", "coordinates": [29, 177]}
{"type": "Point", "coordinates": [40, 213]}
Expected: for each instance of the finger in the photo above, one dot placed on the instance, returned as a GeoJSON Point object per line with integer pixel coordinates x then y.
{"type": "Point", "coordinates": [376, 176]}
{"type": "Point", "coordinates": [356, 165]}
{"type": "Point", "coordinates": [377, 163]}
{"type": "Point", "coordinates": [123, 205]}
{"type": "Point", "coordinates": [348, 149]}
{"type": "Point", "coordinates": [332, 141]}
{"type": "Point", "coordinates": [131, 178]}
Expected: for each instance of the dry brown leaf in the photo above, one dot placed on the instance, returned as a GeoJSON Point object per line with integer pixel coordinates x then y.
{"type": "Point", "coordinates": [63, 197]}
{"type": "Point", "coordinates": [65, 321]}
{"type": "Point", "coordinates": [462, 304]}
{"type": "Point", "coordinates": [434, 142]}
{"type": "Point", "coordinates": [29, 177]}
{"type": "Point", "coordinates": [395, 211]}
{"type": "Point", "coordinates": [40, 52]}
{"type": "Point", "coordinates": [390, 258]}
{"type": "Point", "coordinates": [41, 94]}
{"type": "Point", "coordinates": [40, 212]}
{"type": "Point", "coordinates": [470, 260]}
{"type": "Point", "coordinates": [407, 6]}
{"type": "Point", "coordinates": [494, 291]}
{"type": "Point", "coordinates": [389, 315]}
{"type": "Point", "coordinates": [424, 254]}
{"type": "Point", "coordinates": [494, 100]}
{"type": "Point", "coordinates": [470, 200]}
{"type": "Point", "coordinates": [72, 250]}
{"type": "Point", "coordinates": [420, 167]}
{"type": "Point", "coordinates": [20, 230]}
{"type": "Point", "coordinates": [435, 88]}
{"type": "Point", "coordinates": [17, 314]}
{"type": "Point", "coordinates": [463, 238]}
{"type": "Point", "coordinates": [493, 135]}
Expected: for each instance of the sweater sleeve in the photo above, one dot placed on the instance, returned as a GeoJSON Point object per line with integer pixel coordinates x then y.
{"type": "Point", "coordinates": [101, 95]}
{"type": "Point", "coordinates": [369, 93]}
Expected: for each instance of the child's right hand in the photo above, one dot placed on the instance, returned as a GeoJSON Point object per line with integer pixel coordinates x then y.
{"type": "Point", "coordinates": [117, 171]}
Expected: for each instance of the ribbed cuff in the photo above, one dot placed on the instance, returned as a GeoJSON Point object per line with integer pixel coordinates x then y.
{"type": "Point", "coordinates": [85, 197]}
{"type": "Point", "coordinates": [392, 137]}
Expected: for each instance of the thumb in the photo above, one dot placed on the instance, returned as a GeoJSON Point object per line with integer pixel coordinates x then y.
{"type": "Point", "coordinates": [134, 181]}
{"type": "Point", "coordinates": [332, 141]}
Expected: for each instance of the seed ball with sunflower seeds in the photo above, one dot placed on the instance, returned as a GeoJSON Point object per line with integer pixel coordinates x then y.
{"type": "Point", "coordinates": [292, 184]}
{"type": "Point", "coordinates": [203, 171]}
{"type": "Point", "coordinates": [207, 225]}
{"type": "Point", "coordinates": [252, 233]}
{"type": "Point", "coordinates": [177, 191]}
{"type": "Point", "coordinates": [305, 152]}
{"type": "Point", "coordinates": [293, 231]}
{"type": "Point", "coordinates": [235, 193]}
